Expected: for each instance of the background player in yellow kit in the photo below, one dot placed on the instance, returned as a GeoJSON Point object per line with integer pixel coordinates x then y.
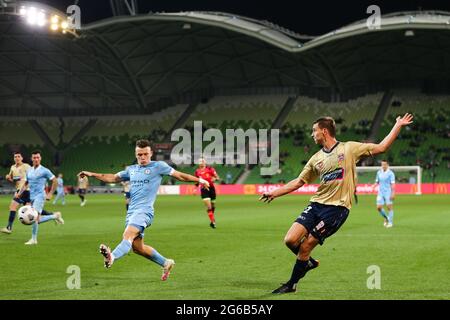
{"type": "Point", "coordinates": [83, 184]}
{"type": "Point", "coordinates": [17, 175]}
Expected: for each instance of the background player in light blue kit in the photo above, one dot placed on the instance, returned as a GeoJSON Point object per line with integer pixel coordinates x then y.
{"type": "Point", "coordinates": [36, 179]}
{"type": "Point", "coordinates": [386, 193]}
{"type": "Point", "coordinates": [145, 178]}
{"type": "Point", "coordinates": [60, 194]}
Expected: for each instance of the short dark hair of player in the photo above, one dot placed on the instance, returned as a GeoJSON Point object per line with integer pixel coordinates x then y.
{"type": "Point", "coordinates": [384, 160]}
{"type": "Point", "coordinates": [327, 123]}
{"type": "Point", "coordinates": [18, 152]}
{"type": "Point", "coordinates": [143, 143]}
{"type": "Point", "coordinates": [36, 152]}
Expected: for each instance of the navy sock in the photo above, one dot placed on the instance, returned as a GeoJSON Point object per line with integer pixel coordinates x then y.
{"type": "Point", "coordinates": [295, 250]}
{"type": "Point", "coordinates": [127, 206]}
{"type": "Point", "coordinates": [46, 213]}
{"type": "Point", "coordinates": [298, 272]}
{"type": "Point", "coordinates": [12, 216]}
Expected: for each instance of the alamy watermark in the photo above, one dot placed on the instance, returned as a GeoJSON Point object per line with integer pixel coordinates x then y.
{"type": "Point", "coordinates": [249, 147]}
{"type": "Point", "coordinates": [374, 21]}
{"type": "Point", "coordinates": [74, 280]}
{"type": "Point", "coordinates": [374, 280]}
{"type": "Point", "coordinates": [74, 17]}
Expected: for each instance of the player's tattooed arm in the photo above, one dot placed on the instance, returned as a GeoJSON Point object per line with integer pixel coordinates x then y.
{"type": "Point", "coordinates": [52, 189]}
{"type": "Point", "coordinates": [105, 177]}
{"type": "Point", "coordinates": [392, 191]}
{"type": "Point", "coordinates": [288, 188]}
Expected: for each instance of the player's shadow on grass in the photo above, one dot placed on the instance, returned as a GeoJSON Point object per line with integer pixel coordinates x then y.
{"type": "Point", "coordinates": [126, 279]}
{"type": "Point", "coordinates": [265, 286]}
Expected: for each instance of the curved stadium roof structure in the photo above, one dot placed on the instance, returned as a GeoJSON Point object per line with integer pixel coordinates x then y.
{"type": "Point", "coordinates": [142, 63]}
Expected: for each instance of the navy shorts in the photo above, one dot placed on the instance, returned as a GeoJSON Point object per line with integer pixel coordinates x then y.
{"type": "Point", "coordinates": [322, 220]}
{"type": "Point", "coordinates": [127, 195]}
{"type": "Point", "coordinates": [24, 198]}
{"type": "Point", "coordinates": [81, 191]}
{"type": "Point", "coordinates": [211, 193]}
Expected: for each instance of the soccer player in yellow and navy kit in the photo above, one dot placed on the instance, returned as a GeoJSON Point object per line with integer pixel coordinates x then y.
{"type": "Point", "coordinates": [17, 175]}
{"type": "Point", "coordinates": [83, 184]}
{"type": "Point", "coordinates": [335, 165]}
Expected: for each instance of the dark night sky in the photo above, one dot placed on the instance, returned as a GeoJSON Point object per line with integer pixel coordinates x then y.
{"type": "Point", "coordinates": [312, 17]}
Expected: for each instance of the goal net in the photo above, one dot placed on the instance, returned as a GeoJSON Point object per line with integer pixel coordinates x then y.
{"type": "Point", "coordinates": [403, 174]}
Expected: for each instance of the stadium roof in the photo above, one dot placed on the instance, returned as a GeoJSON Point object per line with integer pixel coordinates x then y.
{"type": "Point", "coordinates": [141, 63]}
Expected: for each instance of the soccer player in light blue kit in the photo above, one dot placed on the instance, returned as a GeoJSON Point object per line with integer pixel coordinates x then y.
{"type": "Point", "coordinates": [60, 194]}
{"type": "Point", "coordinates": [145, 178]}
{"type": "Point", "coordinates": [386, 193]}
{"type": "Point", "coordinates": [36, 179]}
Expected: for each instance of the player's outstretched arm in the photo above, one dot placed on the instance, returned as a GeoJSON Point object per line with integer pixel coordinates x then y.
{"type": "Point", "coordinates": [105, 177]}
{"type": "Point", "coordinates": [384, 145]}
{"type": "Point", "coordinates": [181, 176]}
{"type": "Point", "coordinates": [287, 188]}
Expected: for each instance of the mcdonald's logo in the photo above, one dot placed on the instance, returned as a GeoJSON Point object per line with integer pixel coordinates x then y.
{"type": "Point", "coordinates": [414, 188]}
{"type": "Point", "coordinates": [249, 189]}
{"type": "Point", "coordinates": [441, 188]}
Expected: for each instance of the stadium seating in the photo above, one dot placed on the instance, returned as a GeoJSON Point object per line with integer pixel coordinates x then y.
{"type": "Point", "coordinates": [426, 142]}
{"type": "Point", "coordinates": [108, 145]}
{"type": "Point", "coordinates": [238, 111]}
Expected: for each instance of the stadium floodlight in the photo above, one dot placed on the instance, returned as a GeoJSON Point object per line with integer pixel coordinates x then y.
{"type": "Point", "coordinates": [31, 15]}
{"type": "Point", "coordinates": [34, 16]}
{"type": "Point", "coordinates": [40, 15]}
{"type": "Point", "coordinates": [41, 18]}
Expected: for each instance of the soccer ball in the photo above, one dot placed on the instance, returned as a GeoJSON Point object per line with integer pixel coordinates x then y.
{"type": "Point", "coordinates": [28, 215]}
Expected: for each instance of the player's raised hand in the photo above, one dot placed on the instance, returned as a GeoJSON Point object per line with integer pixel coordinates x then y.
{"type": "Point", "coordinates": [267, 197]}
{"type": "Point", "coordinates": [405, 120]}
{"type": "Point", "coordinates": [83, 174]}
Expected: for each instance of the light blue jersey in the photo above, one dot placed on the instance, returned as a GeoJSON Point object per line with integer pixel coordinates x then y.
{"type": "Point", "coordinates": [60, 188]}
{"type": "Point", "coordinates": [144, 185]}
{"type": "Point", "coordinates": [385, 179]}
{"type": "Point", "coordinates": [37, 179]}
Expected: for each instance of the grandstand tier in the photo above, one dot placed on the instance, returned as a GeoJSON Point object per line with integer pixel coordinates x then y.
{"type": "Point", "coordinates": [108, 145]}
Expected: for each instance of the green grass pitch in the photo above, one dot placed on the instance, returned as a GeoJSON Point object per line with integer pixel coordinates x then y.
{"type": "Point", "coordinates": [244, 258]}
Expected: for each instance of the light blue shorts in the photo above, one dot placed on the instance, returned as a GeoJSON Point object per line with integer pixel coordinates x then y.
{"type": "Point", "coordinates": [38, 204]}
{"type": "Point", "coordinates": [384, 199]}
{"type": "Point", "coordinates": [140, 221]}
